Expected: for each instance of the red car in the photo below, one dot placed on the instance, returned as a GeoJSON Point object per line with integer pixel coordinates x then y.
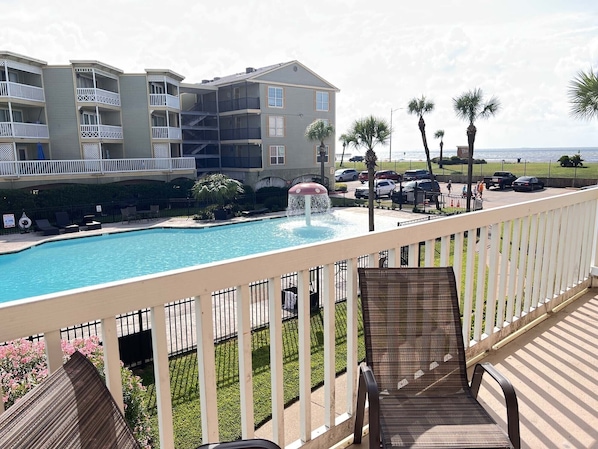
{"type": "Point", "coordinates": [363, 176]}
{"type": "Point", "coordinates": [388, 174]}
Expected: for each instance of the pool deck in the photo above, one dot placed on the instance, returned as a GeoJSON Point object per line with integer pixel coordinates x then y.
{"type": "Point", "coordinates": [11, 243]}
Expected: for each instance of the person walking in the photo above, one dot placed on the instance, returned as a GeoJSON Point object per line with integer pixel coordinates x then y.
{"type": "Point", "coordinates": [464, 191]}
{"type": "Point", "coordinates": [480, 188]}
{"type": "Point", "coordinates": [449, 186]}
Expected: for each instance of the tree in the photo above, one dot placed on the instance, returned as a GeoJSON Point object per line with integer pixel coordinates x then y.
{"type": "Point", "coordinates": [318, 131]}
{"type": "Point", "coordinates": [583, 95]}
{"type": "Point", "coordinates": [470, 106]}
{"type": "Point", "coordinates": [419, 107]}
{"type": "Point", "coordinates": [565, 161]}
{"type": "Point", "coordinates": [576, 160]}
{"type": "Point", "coordinates": [345, 140]}
{"type": "Point", "coordinates": [440, 135]}
{"type": "Point", "coordinates": [216, 189]}
{"type": "Point", "coordinates": [367, 133]}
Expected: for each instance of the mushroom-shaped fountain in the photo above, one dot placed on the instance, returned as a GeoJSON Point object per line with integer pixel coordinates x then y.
{"type": "Point", "coordinates": [308, 196]}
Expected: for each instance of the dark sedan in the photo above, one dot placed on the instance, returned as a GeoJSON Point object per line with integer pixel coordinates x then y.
{"type": "Point", "coordinates": [527, 184]}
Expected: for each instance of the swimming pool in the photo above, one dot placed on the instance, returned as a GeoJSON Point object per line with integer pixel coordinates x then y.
{"type": "Point", "coordinates": [73, 263]}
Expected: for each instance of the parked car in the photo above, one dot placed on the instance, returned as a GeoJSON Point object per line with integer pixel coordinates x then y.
{"type": "Point", "coordinates": [382, 187]}
{"type": "Point", "coordinates": [501, 179]}
{"type": "Point", "coordinates": [527, 183]}
{"type": "Point", "coordinates": [430, 189]}
{"type": "Point", "coordinates": [388, 174]}
{"type": "Point", "coordinates": [416, 174]}
{"type": "Point", "coordinates": [363, 176]}
{"type": "Point", "coordinates": [345, 174]}
{"type": "Point", "coordinates": [356, 159]}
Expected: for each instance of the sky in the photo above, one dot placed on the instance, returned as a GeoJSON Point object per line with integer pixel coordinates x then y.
{"type": "Point", "coordinates": [379, 53]}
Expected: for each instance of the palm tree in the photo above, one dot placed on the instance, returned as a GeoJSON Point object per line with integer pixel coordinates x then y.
{"type": "Point", "coordinates": [419, 107]}
{"type": "Point", "coordinates": [318, 131]}
{"type": "Point", "coordinates": [218, 189]}
{"type": "Point", "coordinates": [470, 106]}
{"type": "Point", "coordinates": [345, 140]}
{"type": "Point", "coordinates": [367, 133]}
{"type": "Point", "coordinates": [440, 135]}
{"type": "Point", "coordinates": [583, 95]}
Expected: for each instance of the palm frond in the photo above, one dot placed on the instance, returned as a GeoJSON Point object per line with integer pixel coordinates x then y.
{"type": "Point", "coordinates": [583, 95]}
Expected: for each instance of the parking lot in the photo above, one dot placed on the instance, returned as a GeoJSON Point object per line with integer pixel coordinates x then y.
{"type": "Point", "coordinates": [491, 197]}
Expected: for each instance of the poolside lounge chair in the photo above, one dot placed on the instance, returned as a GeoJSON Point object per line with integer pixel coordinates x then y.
{"type": "Point", "coordinates": [70, 408]}
{"type": "Point", "coordinates": [415, 374]}
{"type": "Point", "coordinates": [63, 221]}
{"type": "Point", "coordinates": [154, 211]}
{"type": "Point", "coordinates": [129, 214]}
{"type": "Point", "coordinates": [46, 228]}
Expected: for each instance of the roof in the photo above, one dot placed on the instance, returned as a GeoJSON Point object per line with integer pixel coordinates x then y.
{"type": "Point", "coordinates": [253, 74]}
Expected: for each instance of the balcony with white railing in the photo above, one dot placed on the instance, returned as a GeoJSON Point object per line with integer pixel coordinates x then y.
{"type": "Point", "coordinates": [167, 100]}
{"type": "Point", "coordinates": [21, 91]}
{"type": "Point", "coordinates": [24, 130]}
{"type": "Point", "coordinates": [93, 166]}
{"type": "Point", "coordinates": [513, 265]}
{"type": "Point", "coordinates": [166, 132]}
{"type": "Point", "coordinates": [109, 132]}
{"type": "Point", "coordinates": [94, 95]}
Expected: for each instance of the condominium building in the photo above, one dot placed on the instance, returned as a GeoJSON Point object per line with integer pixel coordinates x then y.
{"type": "Point", "coordinates": [251, 125]}
{"type": "Point", "coordinates": [87, 121]}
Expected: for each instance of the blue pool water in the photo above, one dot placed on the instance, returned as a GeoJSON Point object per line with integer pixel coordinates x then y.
{"type": "Point", "coordinates": [80, 262]}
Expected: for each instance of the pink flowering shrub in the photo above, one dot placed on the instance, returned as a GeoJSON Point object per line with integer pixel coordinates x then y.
{"type": "Point", "coordinates": [23, 365]}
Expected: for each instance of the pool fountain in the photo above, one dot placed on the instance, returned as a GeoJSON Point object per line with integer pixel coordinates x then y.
{"type": "Point", "coordinates": [306, 197]}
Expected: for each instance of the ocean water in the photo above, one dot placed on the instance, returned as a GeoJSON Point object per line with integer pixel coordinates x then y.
{"type": "Point", "coordinates": [588, 154]}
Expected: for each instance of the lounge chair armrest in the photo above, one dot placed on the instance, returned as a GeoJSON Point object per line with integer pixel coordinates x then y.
{"type": "Point", "coordinates": [508, 392]}
{"type": "Point", "coordinates": [367, 384]}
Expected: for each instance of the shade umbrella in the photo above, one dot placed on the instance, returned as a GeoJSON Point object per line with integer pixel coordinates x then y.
{"type": "Point", "coordinates": [40, 151]}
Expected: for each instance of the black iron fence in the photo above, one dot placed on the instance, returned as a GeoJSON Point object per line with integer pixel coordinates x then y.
{"type": "Point", "coordinates": [134, 328]}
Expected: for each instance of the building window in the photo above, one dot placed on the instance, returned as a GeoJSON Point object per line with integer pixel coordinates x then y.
{"type": "Point", "coordinates": [318, 154]}
{"type": "Point", "coordinates": [276, 126]}
{"type": "Point", "coordinates": [156, 88]}
{"type": "Point", "coordinates": [5, 115]}
{"type": "Point", "coordinates": [276, 154]}
{"type": "Point", "coordinates": [88, 118]}
{"type": "Point", "coordinates": [158, 120]}
{"type": "Point", "coordinates": [275, 97]}
{"type": "Point", "coordinates": [17, 116]}
{"type": "Point", "coordinates": [322, 102]}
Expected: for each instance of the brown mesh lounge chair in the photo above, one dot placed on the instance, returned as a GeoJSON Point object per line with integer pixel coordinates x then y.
{"type": "Point", "coordinates": [415, 372]}
{"type": "Point", "coordinates": [70, 408]}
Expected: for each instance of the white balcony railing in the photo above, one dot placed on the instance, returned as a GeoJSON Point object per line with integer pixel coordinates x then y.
{"type": "Point", "coordinates": [512, 264]}
{"type": "Point", "coordinates": [21, 91]}
{"type": "Point", "coordinates": [24, 130]}
{"type": "Point", "coordinates": [92, 95]}
{"type": "Point", "coordinates": [109, 132]}
{"type": "Point", "coordinates": [165, 100]}
{"type": "Point", "coordinates": [166, 132]}
{"type": "Point", "coordinates": [94, 166]}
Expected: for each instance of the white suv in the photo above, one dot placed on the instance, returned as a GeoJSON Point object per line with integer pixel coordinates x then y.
{"type": "Point", "coordinates": [382, 187]}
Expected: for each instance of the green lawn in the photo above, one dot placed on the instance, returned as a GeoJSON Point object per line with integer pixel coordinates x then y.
{"type": "Point", "coordinates": [538, 169]}
{"type": "Point", "coordinates": [184, 379]}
